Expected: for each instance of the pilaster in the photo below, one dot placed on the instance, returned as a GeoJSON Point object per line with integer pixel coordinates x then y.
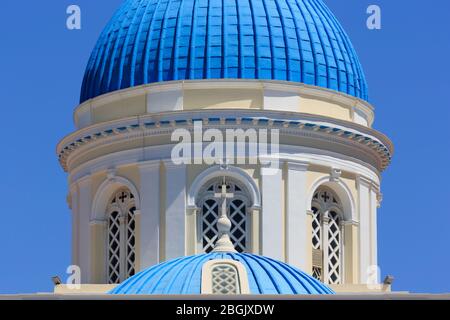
{"type": "Point", "coordinates": [363, 186]}
{"type": "Point", "coordinates": [272, 215]}
{"type": "Point", "coordinates": [296, 217]}
{"type": "Point", "coordinates": [175, 215]}
{"type": "Point", "coordinates": [149, 225]}
{"type": "Point", "coordinates": [84, 231]}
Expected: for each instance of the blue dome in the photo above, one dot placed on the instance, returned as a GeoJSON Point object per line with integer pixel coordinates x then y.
{"type": "Point", "coordinates": [184, 276]}
{"type": "Point", "coordinates": [150, 41]}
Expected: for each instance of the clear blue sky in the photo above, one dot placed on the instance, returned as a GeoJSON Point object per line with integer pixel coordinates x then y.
{"type": "Point", "coordinates": [407, 66]}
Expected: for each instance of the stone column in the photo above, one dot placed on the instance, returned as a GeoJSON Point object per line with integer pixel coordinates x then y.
{"type": "Point", "coordinates": [254, 215]}
{"type": "Point", "coordinates": [272, 215]}
{"type": "Point", "coordinates": [192, 234]}
{"type": "Point", "coordinates": [84, 230]}
{"type": "Point", "coordinates": [309, 248]}
{"type": "Point", "coordinates": [137, 245]}
{"type": "Point", "coordinates": [74, 204]}
{"type": "Point", "coordinates": [296, 215]}
{"type": "Point", "coordinates": [325, 241]}
{"type": "Point", "coordinates": [175, 215]}
{"type": "Point", "coordinates": [373, 226]}
{"type": "Point", "coordinates": [149, 226]}
{"type": "Point", "coordinates": [363, 186]}
{"type": "Point", "coordinates": [99, 231]}
{"type": "Point", "coordinates": [350, 260]}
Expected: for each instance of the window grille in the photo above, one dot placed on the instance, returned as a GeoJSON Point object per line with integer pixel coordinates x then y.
{"type": "Point", "coordinates": [225, 280]}
{"type": "Point", "coordinates": [327, 237]}
{"type": "Point", "coordinates": [121, 244]}
{"type": "Point", "coordinates": [237, 213]}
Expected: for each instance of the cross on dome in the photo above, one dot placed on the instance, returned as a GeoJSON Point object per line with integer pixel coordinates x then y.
{"type": "Point", "coordinates": [224, 243]}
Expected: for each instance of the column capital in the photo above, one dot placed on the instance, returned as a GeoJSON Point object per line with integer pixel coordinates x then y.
{"type": "Point", "coordinates": [350, 223]}
{"type": "Point", "coordinates": [122, 219]}
{"type": "Point", "coordinates": [149, 165]}
{"type": "Point", "coordinates": [361, 180]}
{"type": "Point", "coordinates": [372, 185]}
{"type": "Point", "coordinates": [297, 165]}
{"type": "Point", "coordinates": [192, 210]}
{"type": "Point", "coordinates": [86, 179]}
{"type": "Point", "coordinates": [168, 164]}
{"type": "Point", "coordinates": [254, 210]}
{"type": "Point", "coordinates": [101, 223]}
{"type": "Point", "coordinates": [269, 170]}
{"type": "Point", "coordinates": [268, 161]}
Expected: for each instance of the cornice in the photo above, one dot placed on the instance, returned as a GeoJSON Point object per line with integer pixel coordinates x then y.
{"type": "Point", "coordinates": [174, 117]}
{"type": "Point", "coordinates": [351, 135]}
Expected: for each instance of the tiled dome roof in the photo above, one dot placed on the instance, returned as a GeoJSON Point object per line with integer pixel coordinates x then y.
{"type": "Point", "coordinates": [183, 276]}
{"type": "Point", "coordinates": [149, 41]}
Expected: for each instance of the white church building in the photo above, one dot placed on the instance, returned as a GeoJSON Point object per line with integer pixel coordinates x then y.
{"type": "Point", "coordinates": [145, 223]}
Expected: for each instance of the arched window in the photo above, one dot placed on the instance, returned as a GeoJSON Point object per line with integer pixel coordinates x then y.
{"type": "Point", "coordinates": [121, 242]}
{"type": "Point", "coordinates": [237, 206]}
{"type": "Point", "coordinates": [327, 236]}
{"type": "Point", "coordinates": [225, 279]}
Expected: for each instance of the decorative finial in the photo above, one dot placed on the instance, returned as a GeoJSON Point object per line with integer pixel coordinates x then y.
{"type": "Point", "coordinates": [224, 243]}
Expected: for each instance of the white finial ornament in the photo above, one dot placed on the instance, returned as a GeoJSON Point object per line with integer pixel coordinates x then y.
{"type": "Point", "coordinates": [224, 243]}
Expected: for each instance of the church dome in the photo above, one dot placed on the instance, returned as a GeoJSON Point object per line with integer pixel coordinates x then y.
{"type": "Point", "coordinates": [184, 276]}
{"type": "Point", "coordinates": [150, 41]}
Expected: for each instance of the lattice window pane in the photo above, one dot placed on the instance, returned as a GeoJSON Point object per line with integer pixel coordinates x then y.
{"type": "Point", "coordinates": [114, 248]}
{"type": "Point", "coordinates": [209, 224]}
{"type": "Point", "coordinates": [317, 273]}
{"type": "Point", "coordinates": [326, 203]}
{"type": "Point", "coordinates": [225, 280]}
{"type": "Point", "coordinates": [238, 217]}
{"type": "Point", "coordinates": [131, 243]}
{"type": "Point", "coordinates": [334, 249]}
{"type": "Point", "coordinates": [316, 229]}
{"type": "Point", "coordinates": [121, 237]}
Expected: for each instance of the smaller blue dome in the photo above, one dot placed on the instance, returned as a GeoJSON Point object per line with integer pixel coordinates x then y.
{"type": "Point", "coordinates": [183, 276]}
